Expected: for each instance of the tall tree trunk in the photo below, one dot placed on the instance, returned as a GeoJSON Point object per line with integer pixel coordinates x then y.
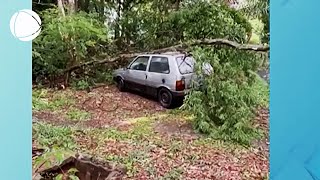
{"type": "Point", "coordinates": [72, 6]}
{"type": "Point", "coordinates": [60, 6]}
{"type": "Point", "coordinates": [117, 26]}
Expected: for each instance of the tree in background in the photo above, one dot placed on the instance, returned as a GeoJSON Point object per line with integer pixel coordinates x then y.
{"type": "Point", "coordinates": [65, 42]}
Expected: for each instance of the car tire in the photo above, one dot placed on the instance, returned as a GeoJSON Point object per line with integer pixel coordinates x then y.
{"type": "Point", "coordinates": [120, 84]}
{"type": "Point", "coordinates": [165, 98]}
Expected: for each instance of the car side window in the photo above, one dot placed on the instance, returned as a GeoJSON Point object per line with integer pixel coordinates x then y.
{"type": "Point", "coordinates": [140, 63]}
{"type": "Point", "coordinates": [159, 65]}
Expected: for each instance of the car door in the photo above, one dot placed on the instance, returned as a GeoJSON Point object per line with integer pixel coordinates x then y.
{"type": "Point", "coordinates": [136, 73]}
{"type": "Point", "coordinates": [157, 74]}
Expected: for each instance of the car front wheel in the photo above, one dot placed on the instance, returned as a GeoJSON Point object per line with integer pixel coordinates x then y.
{"type": "Point", "coordinates": [120, 84]}
{"type": "Point", "coordinates": [165, 98]}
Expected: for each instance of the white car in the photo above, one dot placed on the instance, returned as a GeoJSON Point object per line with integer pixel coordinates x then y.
{"type": "Point", "coordinates": [166, 76]}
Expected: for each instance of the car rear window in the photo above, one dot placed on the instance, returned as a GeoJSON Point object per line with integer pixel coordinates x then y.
{"type": "Point", "coordinates": [185, 65]}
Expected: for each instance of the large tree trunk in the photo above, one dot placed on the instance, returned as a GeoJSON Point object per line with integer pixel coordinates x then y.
{"type": "Point", "coordinates": [117, 34]}
{"type": "Point", "coordinates": [117, 26]}
{"type": "Point", "coordinates": [72, 5]}
{"type": "Point", "coordinates": [60, 6]}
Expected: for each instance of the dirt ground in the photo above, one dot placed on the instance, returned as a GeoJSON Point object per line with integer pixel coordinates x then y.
{"type": "Point", "coordinates": [181, 154]}
{"type": "Point", "coordinates": [108, 107]}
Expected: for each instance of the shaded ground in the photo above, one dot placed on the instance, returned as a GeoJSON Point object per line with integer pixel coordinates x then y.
{"type": "Point", "coordinates": [151, 142]}
{"type": "Point", "coordinates": [107, 107]}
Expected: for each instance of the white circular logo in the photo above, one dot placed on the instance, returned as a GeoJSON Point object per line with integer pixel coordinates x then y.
{"type": "Point", "coordinates": [25, 25]}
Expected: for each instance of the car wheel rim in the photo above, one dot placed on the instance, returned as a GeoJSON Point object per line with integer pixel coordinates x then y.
{"type": "Point", "coordinates": [165, 98]}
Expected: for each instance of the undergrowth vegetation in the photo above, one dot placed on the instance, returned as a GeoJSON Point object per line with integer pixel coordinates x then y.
{"type": "Point", "coordinates": [42, 101]}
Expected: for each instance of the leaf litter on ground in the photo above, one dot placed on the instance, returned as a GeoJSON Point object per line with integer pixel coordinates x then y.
{"type": "Point", "coordinates": [154, 144]}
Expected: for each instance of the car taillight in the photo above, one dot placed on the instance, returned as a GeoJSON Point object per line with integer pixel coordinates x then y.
{"type": "Point", "coordinates": [180, 85]}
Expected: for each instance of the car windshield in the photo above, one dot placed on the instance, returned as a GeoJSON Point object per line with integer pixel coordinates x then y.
{"type": "Point", "coordinates": [185, 65]}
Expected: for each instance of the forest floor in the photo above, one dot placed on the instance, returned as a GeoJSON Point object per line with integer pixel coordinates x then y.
{"type": "Point", "coordinates": [152, 142]}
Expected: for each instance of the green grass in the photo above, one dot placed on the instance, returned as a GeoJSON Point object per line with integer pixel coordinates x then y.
{"type": "Point", "coordinates": [54, 136]}
{"type": "Point", "coordinates": [75, 114]}
{"type": "Point", "coordinates": [127, 161]}
{"type": "Point", "coordinates": [141, 139]}
{"type": "Point", "coordinates": [41, 100]}
{"type": "Point", "coordinates": [141, 130]}
{"type": "Point", "coordinates": [66, 137]}
{"type": "Point", "coordinates": [44, 100]}
{"type": "Point", "coordinates": [218, 144]}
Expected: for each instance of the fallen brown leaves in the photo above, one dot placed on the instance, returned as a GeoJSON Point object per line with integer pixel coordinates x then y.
{"type": "Point", "coordinates": [170, 151]}
{"type": "Point", "coordinates": [108, 107]}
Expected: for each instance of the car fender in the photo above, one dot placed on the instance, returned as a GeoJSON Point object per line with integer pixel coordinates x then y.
{"type": "Point", "coordinates": [118, 75]}
{"type": "Point", "coordinates": [163, 86]}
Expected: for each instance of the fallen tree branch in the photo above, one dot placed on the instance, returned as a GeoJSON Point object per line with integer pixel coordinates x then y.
{"type": "Point", "coordinates": [178, 48]}
{"type": "Point", "coordinates": [233, 44]}
{"type": "Point", "coordinates": [109, 60]}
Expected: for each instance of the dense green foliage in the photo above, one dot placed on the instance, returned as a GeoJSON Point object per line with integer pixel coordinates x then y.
{"type": "Point", "coordinates": [66, 41]}
{"type": "Point", "coordinates": [149, 28]}
{"type": "Point", "coordinates": [224, 108]}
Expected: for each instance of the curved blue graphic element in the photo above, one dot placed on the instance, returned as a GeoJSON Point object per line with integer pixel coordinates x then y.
{"type": "Point", "coordinates": [295, 90]}
{"type": "Point", "coordinates": [15, 98]}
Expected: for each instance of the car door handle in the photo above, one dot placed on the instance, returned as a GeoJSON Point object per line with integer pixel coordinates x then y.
{"type": "Point", "coordinates": [146, 77]}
